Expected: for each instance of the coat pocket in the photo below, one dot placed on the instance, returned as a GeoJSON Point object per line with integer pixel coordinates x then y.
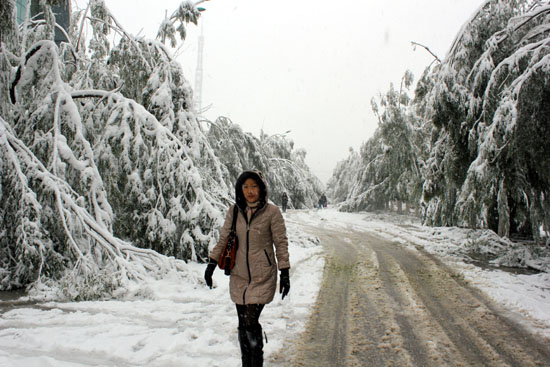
{"type": "Point", "coordinates": [268, 259]}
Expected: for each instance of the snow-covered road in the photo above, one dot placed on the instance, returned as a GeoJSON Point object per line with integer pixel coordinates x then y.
{"type": "Point", "coordinates": [383, 304]}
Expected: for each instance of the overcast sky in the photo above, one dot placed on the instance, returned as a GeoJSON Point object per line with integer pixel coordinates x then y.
{"type": "Point", "coordinates": [308, 66]}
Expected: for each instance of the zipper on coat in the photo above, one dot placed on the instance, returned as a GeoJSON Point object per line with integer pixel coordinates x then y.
{"type": "Point", "coordinates": [247, 261]}
{"type": "Point", "coordinates": [247, 251]}
{"type": "Point", "coordinates": [266, 255]}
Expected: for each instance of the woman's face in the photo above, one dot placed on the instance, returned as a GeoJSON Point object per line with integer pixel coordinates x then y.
{"type": "Point", "coordinates": [251, 190]}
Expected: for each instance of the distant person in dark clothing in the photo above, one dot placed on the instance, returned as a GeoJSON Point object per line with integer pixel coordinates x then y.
{"type": "Point", "coordinates": [284, 201]}
{"type": "Point", "coordinates": [322, 202]}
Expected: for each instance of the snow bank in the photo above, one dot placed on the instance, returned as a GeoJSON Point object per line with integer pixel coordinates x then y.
{"type": "Point", "coordinates": [174, 321]}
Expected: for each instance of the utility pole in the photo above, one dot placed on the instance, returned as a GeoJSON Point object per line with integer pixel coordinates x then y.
{"type": "Point", "coordinates": [198, 72]}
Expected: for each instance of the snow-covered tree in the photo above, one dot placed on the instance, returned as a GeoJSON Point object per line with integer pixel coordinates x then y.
{"type": "Point", "coordinates": [489, 108]}
{"type": "Point", "coordinates": [359, 182]}
{"type": "Point", "coordinates": [101, 156]}
{"type": "Point", "coordinates": [343, 178]}
{"type": "Point", "coordinates": [388, 170]}
{"type": "Point", "coordinates": [104, 166]}
{"type": "Point", "coordinates": [398, 129]}
{"type": "Point", "coordinates": [483, 114]}
{"type": "Point", "coordinates": [169, 193]}
{"type": "Point", "coordinates": [50, 236]}
{"type": "Point", "coordinates": [283, 166]}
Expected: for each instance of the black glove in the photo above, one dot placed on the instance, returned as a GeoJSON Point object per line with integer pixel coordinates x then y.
{"type": "Point", "coordinates": [284, 282]}
{"type": "Point", "coordinates": [209, 271]}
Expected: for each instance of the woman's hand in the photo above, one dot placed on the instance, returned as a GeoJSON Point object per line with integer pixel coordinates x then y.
{"type": "Point", "coordinates": [284, 282]}
{"type": "Point", "coordinates": [209, 271]}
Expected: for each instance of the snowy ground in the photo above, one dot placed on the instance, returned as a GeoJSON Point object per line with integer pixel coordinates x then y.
{"type": "Point", "coordinates": [179, 322]}
{"type": "Point", "coordinates": [527, 294]}
{"type": "Point", "coordinates": [173, 322]}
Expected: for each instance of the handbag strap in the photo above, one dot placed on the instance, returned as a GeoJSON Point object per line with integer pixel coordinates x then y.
{"type": "Point", "coordinates": [235, 213]}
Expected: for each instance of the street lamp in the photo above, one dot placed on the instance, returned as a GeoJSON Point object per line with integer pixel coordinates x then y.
{"type": "Point", "coordinates": [274, 135]}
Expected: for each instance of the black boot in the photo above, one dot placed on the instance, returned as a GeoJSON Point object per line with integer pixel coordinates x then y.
{"type": "Point", "coordinates": [245, 348]}
{"type": "Point", "coordinates": [256, 344]}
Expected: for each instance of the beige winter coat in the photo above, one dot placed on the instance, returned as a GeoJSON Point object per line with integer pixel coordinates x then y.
{"type": "Point", "coordinates": [254, 277]}
{"type": "Point", "coordinates": [262, 245]}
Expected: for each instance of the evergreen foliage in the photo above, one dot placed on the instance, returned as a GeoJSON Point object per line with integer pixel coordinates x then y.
{"type": "Point", "coordinates": [388, 166]}
{"type": "Point", "coordinates": [284, 168]}
{"type": "Point", "coordinates": [490, 142]}
{"type": "Point", "coordinates": [474, 136]}
{"type": "Point", "coordinates": [106, 172]}
{"type": "Point", "coordinates": [102, 159]}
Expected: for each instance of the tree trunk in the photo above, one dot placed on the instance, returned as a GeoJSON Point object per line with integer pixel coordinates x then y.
{"type": "Point", "coordinates": [503, 211]}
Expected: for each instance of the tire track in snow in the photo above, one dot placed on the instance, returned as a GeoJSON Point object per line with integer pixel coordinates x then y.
{"type": "Point", "coordinates": [473, 323]}
{"type": "Point", "coordinates": [327, 327]}
{"type": "Point", "coordinates": [382, 304]}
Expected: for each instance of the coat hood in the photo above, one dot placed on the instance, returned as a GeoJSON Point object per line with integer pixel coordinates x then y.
{"type": "Point", "coordinates": [256, 176]}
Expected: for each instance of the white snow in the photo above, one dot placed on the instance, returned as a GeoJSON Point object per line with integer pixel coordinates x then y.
{"type": "Point", "coordinates": [527, 295]}
{"type": "Point", "coordinates": [178, 321]}
{"type": "Point", "coordinates": [168, 322]}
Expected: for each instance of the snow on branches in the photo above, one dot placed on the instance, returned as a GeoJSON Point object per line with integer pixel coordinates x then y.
{"type": "Point", "coordinates": [387, 170]}
{"type": "Point", "coordinates": [106, 173]}
{"type": "Point", "coordinates": [480, 151]}
{"type": "Point", "coordinates": [284, 168]}
{"type": "Point", "coordinates": [496, 128]}
{"type": "Point", "coordinates": [186, 12]}
{"type": "Point", "coordinates": [55, 237]}
{"type": "Point", "coordinates": [104, 167]}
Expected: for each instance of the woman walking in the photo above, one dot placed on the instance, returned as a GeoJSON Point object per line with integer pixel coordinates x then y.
{"type": "Point", "coordinates": [263, 246]}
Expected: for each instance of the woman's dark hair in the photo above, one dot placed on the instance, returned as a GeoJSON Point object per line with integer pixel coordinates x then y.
{"type": "Point", "coordinates": [256, 176]}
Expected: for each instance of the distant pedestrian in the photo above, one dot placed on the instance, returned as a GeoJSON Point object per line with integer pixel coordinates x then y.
{"type": "Point", "coordinates": [322, 203]}
{"type": "Point", "coordinates": [284, 201]}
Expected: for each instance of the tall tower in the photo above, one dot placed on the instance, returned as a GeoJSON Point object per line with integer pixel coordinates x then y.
{"type": "Point", "coordinates": [198, 72]}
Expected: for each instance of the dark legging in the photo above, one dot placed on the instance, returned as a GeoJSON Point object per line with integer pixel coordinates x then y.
{"type": "Point", "coordinates": [249, 316]}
